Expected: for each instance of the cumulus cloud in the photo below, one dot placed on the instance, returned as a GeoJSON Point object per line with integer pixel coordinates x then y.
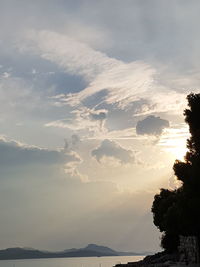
{"type": "Point", "coordinates": [88, 72]}
{"type": "Point", "coordinates": [13, 153]}
{"type": "Point", "coordinates": [111, 149]}
{"type": "Point", "coordinates": [71, 167]}
{"type": "Point", "coordinates": [72, 142]}
{"type": "Point", "coordinates": [151, 125]}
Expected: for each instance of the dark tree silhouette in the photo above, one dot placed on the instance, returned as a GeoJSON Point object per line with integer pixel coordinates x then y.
{"type": "Point", "coordinates": [177, 212]}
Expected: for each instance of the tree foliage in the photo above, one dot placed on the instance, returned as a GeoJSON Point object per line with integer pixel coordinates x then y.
{"type": "Point", "coordinates": [177, 212]}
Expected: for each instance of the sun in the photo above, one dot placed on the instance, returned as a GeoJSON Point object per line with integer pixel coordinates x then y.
{"type": "Point", "coordinates": [174, 141]}
{"type": "Point", "coordinates": [177, 147]}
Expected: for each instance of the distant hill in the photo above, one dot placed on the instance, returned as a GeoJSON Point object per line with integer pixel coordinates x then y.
{"type": "Point", "coordinates": [107, 250]}
{"type": "Point", "coordinates": [91, 250]}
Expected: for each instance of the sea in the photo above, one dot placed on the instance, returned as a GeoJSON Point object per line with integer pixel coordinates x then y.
{"type": "Point", "coordinates": [71, 262]}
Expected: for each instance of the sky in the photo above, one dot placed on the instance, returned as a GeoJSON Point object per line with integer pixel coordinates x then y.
{"type": "Point", "coordinates": [92, 95]}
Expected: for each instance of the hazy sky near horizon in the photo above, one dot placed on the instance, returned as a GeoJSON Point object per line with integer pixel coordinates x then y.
{"type": "Point", "coordinates": [92, 95]}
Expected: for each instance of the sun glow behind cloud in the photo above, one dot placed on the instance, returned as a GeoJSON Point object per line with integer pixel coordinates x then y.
{"type": "Point", "coordinates": [78, 73]}
{"type": "Point", "coordinates": [173, 141]}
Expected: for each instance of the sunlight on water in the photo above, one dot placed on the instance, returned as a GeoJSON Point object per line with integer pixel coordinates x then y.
{"type": "Point", "coordinates": [71, 262]}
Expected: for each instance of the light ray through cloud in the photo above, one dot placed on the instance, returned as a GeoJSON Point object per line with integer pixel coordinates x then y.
{"type": "Point", "coordinates": [76, 79]}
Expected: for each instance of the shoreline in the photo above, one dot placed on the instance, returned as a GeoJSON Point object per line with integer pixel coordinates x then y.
{"type": "Point", "coordinates": [160, 259]}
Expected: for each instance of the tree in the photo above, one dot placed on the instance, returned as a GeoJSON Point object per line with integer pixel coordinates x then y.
{"type": "Point", "coordinates": [177, 212]}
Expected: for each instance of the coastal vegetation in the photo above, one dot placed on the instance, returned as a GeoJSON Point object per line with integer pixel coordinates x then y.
{"type": "Point", "coordinates": [176, 212]}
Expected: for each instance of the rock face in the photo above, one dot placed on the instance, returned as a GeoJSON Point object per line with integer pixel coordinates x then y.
{"type": "Point", "coordinates": [189, 250]}
{"type": "Point", "coordinates": [160, 259]}
{"type": "Point", "coordinates": [187, 255]}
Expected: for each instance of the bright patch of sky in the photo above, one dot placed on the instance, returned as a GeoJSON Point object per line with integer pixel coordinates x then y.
{"type": "Point", "coordinates": [91, 97]}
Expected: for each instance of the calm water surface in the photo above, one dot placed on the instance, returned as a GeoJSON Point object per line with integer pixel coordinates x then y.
{"type": "Point", "coordinates": [71, 262]}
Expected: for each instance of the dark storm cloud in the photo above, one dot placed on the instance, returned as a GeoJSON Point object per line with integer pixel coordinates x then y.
{"type": "Point", "coordinates": [151, 125]}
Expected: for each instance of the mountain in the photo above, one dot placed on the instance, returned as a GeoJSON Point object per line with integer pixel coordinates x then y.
{"type": "Point", "coordinates": [100, 249]}
{"type": "Point", "coordinates": [91, 250]}
{"type": "Point", "coordinates": [107, 250]}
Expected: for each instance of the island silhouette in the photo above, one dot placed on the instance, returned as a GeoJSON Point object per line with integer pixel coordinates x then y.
{"type": "Point", "coordinates": [91, 250]}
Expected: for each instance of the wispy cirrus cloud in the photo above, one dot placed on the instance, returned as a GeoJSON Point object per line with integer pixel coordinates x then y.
{"type": "Point", "coordinates": [123, 82]}
{"type": "Point", "coordinates": [82, 118]}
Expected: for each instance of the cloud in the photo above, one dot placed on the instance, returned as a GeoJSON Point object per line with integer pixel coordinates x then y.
{"type": "Point", "coordinates": [102, 72]}
{"type": "Point", "coordinates": [82, 119]}
{"type": "Point", "coordinates": [111, 149]}
{"type": "Point", "coordinates": [151, 125]}
{"type": "Point", "coordinates": [111, 85]}
{"type": "Point", "coordinates": [124, 82]}
{"type": "Point", "coordinates": [95, 75]}
{"type": "Point", "coordinates": [75, 139]}
{"type": "Point", "coordinates": [99, 114]}
{"type": "Point", "coordinates": [13, 153]}
{"type": "Point", "coordinates": [72, 142]}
